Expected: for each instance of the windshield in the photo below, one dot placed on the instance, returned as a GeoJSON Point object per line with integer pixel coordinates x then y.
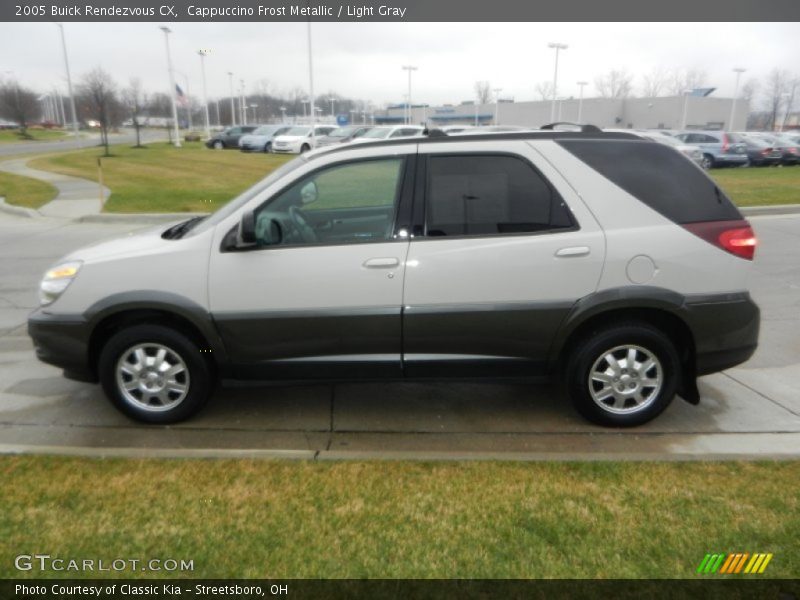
{"type": "Point", "coordinates": [264, 130]}
{"type": "Point", "coordinates": [298, 131]}
{"type": "Point", "coordinates": [251, 192]}
{"type": "Point", "coordinates": [377, 133]}
{"type": "Point", "coordinates": [665, 139]}
{"type": "Point", "coordinates": [342, 131]}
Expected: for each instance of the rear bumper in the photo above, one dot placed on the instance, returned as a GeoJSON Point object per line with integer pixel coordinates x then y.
{"type": "Point", "coordinates": [725, 329]}
{"type": "Point", "coordinates": [63, 342]}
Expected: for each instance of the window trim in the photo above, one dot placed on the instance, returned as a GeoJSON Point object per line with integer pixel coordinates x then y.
{"type": "Point", "coordinates": [403, 196]}
{"type": "Point", "coordinates": [420, 206]}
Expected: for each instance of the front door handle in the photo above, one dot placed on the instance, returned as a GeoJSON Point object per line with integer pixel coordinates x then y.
{"type": "Point", "coordinates": [381, 263]}
{"type": "Point", "coordinates": [573, 251]}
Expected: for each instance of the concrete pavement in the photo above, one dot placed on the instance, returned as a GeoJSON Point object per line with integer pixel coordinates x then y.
{"type": "Point", "coordinates": [752, 411]}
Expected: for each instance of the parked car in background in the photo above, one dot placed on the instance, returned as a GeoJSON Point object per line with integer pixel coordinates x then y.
{"type": "Point", "coordinates": [390, 132]}
{"type": "Point", "coordinates": [691, 152]}
{"type": "Point", "coordinates": [229, 138]}
{"type": "Point", "coordinates": [342, 135]}
{"type": "Point", "coordinates": [718, 147]}
{"type": "Point", "coordinates": [260, 139]}
{"type": "Point", "coordinates": [299, 139]}
{"type": "Point", "coordinates": [760, 153]}
{"type": "Point", "coordinates": [789, 149]}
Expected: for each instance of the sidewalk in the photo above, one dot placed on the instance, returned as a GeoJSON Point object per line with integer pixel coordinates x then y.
{"type": "Point", "coordinates": [76, 197]}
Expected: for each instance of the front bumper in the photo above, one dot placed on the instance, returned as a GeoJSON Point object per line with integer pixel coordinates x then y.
{"type": "Point", "coordinates": [62, 341]}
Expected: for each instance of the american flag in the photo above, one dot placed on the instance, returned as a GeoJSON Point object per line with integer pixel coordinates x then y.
{"type": "Point", "coordinates": [180, 97]}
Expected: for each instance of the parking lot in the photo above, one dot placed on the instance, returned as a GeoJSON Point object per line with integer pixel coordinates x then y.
{"type": "Point", "coordinates": [749, 411]}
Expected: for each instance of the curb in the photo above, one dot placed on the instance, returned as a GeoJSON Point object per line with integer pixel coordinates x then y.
{"type": "Point", "coordinates": [19, 211]}
{"type": "Point", "coordinates": [140, 218]}
{"type": "Point", "coordinates": [777, 209]}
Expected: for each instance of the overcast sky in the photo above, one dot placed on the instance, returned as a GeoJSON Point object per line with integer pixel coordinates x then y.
{"type": "Point", "coordinates": [363, 60]}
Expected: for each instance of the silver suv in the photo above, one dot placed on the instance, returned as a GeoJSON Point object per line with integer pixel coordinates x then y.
{"type": "Point", "coordinates": [603, 258]}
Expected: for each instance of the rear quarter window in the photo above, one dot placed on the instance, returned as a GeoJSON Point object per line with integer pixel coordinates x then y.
{"type": "Point", "coordinates": [658, 176]}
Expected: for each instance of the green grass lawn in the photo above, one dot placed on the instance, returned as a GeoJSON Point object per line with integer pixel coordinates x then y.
{"type": "Point", "coordinates": [394, 519]}
{"type": "Point", "coordinates": [161, 178]}
{"type": "Point", "coordinates": [24, 191]}
{"type": "Point", "coordinates": [759, 186]}
{"type": "Point", "coordinates": [9, 136]}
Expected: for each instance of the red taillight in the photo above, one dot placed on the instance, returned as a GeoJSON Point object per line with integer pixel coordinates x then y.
{"type": "Point", "coordinates": [736, 237]}
{"type": "Point", "coordinates": [792, 150]}
{"type": "Point", "coordinates": [724, 142]}
{"type": "Point", "coordinates": [766, 152]}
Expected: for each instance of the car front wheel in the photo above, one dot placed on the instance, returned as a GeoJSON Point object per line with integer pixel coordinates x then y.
{"type": "Point", "coordinates": [218, 145]}
{"type": "Point", "coordinates": [623, 375]}
{"type": "Point", "coordinates": [304, 148]}
{"type": "Point", "coordinates": [268, 147]}
{"type": "Point", "coordinates": [154, 374]}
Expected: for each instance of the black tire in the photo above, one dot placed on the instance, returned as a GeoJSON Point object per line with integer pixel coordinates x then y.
{"type": "Point", "coordinates": [304, 148]}
{"type": "Point", "coordinates": [268, 147]}
{"type": "Point", "coordinates": [218, 145]}
{"type": "Point", "coordinates": [589, 352]}
{"type": "Point", "coordinates": [708, 161]}
{"type": "Point", "coordinates": [197, 376]}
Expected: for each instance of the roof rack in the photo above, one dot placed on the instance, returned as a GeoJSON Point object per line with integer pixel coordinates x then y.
{"type": "Point", "coordinates": [583, 128]}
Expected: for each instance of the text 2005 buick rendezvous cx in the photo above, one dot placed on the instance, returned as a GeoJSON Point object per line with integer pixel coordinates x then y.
{"type": "Point", "coordinates": [609, 260]}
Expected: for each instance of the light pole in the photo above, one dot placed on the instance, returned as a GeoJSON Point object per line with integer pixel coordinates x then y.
{"type": "Point", "coordinates": [242, 104]}
{"type": "Point", "coordinates": [409, 68]}
{"type": "Point", "coordinates": [167, 31]}
{"type": "Point", "coordinates": [352, 117]}
{"type": "Point", "coordinates": [580, 100]}
{"type": "Point", "coordinates": [233, 110]}
{"type": "Point", "coordinates": [216, 102]}
{"type": "Point", "coordinates": [69, 83]}
{"type": "Point", "coordinates": [304, 101]}
{"type": "Point", "coordinates": [738, 71]}
{"type": "Point", "coordinates": [255, 112]}
{"type": "Point", "coordinates": [497, 105]}
{"type": "Point", "coordinates": [202, 54]}
{"type": "Point", "coordinates": [558, 47]}
{"type": "Point", "coordinates": [685, 108]}
{"type": "Point", "coordinates": [789, 101]}
{"type": "Point", "coordinates": [333, 114]}
{"type": "Point", "coordinates": [311, 87]}
{"type": "Point", "coordinates": [283, 114]}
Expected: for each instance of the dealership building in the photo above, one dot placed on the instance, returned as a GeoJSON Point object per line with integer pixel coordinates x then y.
{"type": "Point", "coordinates": [693, 111]}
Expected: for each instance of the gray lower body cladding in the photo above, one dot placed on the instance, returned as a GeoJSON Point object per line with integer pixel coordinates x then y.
{"type": "Point", "coordinates": [502, 340]}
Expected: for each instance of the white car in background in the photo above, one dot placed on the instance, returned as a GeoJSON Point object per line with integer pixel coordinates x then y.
{"type": "Point", "coordinates": [392, 132]}
{"type": "Point", "coordinates": [299, 139]}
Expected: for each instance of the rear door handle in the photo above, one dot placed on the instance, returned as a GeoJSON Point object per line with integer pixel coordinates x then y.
{"type": "Point", "coordinates": [573, 251]}
{"type": "Point", "coordinates": [381, 263]}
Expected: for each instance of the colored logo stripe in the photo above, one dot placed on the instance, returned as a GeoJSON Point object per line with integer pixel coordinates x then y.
{"type": "Point", "coordinates": [734, 563]}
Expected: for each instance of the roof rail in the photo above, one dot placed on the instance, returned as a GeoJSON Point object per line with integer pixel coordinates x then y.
{"type": "Point", "coordinates": [582, 128]}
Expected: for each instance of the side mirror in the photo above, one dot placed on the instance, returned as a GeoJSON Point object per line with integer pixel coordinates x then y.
{"type": "Point", "coordinates": [246, 235]}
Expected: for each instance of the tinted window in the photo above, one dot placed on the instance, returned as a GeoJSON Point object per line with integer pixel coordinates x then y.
{"type": "Point", "coordinates": [658, 176]}
{"type": "Point", "coordinates": [485, 195]}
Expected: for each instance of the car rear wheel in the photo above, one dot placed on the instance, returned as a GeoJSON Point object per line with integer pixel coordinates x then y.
{"type": "Point", "coordinates": [304, 148]}
{"type": "Point", "coordinates": [218, 145]}
{"type": "Point", "coordinates": [708, 161]}
{"type": "Point", "coordinates": [154, 374]}
{"type": "Point", "coordinates": [623, 375]}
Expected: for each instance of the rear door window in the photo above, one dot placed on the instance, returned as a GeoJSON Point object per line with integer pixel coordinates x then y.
{"type": "Point", "coordinates": [489, 195]}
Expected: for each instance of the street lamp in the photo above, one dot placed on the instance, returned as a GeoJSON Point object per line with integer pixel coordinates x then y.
{"type": "Point", "coordinates": [557, 46]}
{"type": "Point", "coordinates": [283, 114]}
{"type": "Point", "coordinates": [497, 104]}
{"type": "Point", "coordinates": [738, 71]}
{"type": "Point", "coordinates": [255, 112]}
{"type": "Point", "coordinates": [167, 31]}
{"type": "Point", "coordinates": [243, 102]}
{"type": "Point", "coordinates": [685, 108]}
{"type": "Point", "coordinates": [304, 102]}
{"type": "Point", "coordinates": [580, 100]}
{"type": "Point", "coordinates": [409, 68]}
{"type": "Point", "coordinates": [311, 87]}
{"type": "Point", "coordinates": [202, 54]}
{"type": "Point", "coordinates": [69, 83]}
{"type": "Point", "coordinates": [233, 110]}
{"type": "Point", "coordinates": [332, 99]}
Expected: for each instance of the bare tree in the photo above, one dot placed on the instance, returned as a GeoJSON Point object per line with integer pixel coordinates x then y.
{"type": "Point", "coordinates": [777, 84]}
{"type": "Point", "coordinates": [749, 90]}
{"type": "Point", "coordinates": [19, 104]}
{"type": "Point", "coordinates": [545, 90]}
{"type": "Point", "coordinates": [483, 92]}
{"type": "Point", "coordinates": [617, 83]}
{"type": "Point", "coordinates": [654, 84]}
{"type": "Point", "coordinates": [793, 84]}
{"type": "Point", "coordinates": [134, 100]}
{"type": "Point", "coordinates": [99, 98]}
{"type": "Point", "coordinates": [681, 80]}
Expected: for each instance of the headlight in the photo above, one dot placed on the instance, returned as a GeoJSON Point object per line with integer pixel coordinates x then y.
{"type": "Point", "coordinates": [56, 280]}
